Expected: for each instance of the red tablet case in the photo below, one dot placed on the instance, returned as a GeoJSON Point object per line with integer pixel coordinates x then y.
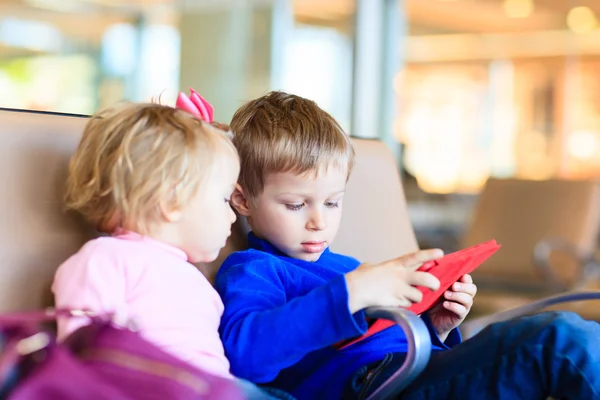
{"type": "Point", "coordinates": [448, 270]}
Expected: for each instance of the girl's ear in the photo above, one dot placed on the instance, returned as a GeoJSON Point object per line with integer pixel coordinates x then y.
{"type": "Point", "coordinates": [170, 214]}
{"type": "Point", "coordinates": [240, 202]}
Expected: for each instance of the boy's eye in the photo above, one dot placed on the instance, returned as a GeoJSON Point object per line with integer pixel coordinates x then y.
{"type": "Point", "coordinates": [294, 207]}
{"type": "Point", "coordinates": [332, 204]}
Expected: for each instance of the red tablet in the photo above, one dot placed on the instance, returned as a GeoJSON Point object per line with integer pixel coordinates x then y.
{"type": "Point", "coordinates": [448, 270]}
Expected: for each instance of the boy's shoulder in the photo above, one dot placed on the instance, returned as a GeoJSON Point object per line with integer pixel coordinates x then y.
{"type": "Point", "coordinates": [250, 256]}
{"type": "Point", "coordinates": [251, 259]}
{"type": "Point", "coordinates": [246, 264]}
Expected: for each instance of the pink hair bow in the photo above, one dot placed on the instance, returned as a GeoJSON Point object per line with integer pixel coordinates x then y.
{"type": "Point", "coordinates": [196, 105]}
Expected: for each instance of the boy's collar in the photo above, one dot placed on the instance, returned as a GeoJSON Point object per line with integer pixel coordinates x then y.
{"type": "Point", "coordinates": [254, 242]}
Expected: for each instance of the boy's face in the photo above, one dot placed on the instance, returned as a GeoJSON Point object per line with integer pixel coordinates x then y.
{"type": "Point", "coordinates": [299, 214]}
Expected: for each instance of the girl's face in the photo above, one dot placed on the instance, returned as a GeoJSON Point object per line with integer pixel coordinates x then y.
{"type": "Point", "coordinates": [205, 223]}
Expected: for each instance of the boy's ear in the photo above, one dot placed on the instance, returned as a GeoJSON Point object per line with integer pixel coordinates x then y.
{"type": "Point", "coordinates": [239, 201]}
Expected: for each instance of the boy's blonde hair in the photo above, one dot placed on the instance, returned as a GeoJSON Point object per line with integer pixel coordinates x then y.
{"type": "Point", "coordinates": [281, 132]}
{"type": "Point", "coordinates": [135, 159]}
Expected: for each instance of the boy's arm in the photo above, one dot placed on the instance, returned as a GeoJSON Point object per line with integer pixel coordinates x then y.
{"type": "Point", "coordinates": [264, 333]}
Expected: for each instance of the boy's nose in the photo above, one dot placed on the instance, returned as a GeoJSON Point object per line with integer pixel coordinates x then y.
{"type": "Point", "coordinates": [316, 222]}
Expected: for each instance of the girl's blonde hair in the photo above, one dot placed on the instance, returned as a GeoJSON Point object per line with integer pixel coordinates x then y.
{"type": "Point", "coordinates": [135, 160]}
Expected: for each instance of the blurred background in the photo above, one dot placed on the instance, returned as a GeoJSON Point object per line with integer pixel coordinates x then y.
{"type": "Point", "coordinates": [461, 90]}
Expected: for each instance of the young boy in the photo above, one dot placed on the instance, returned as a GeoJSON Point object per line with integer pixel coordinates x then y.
{"type": "Point", "coordinates": [290, 302]}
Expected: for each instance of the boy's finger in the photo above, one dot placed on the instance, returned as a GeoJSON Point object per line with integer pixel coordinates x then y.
{"type": "Point", "coordinates": [458, 297]}
{"type": "Point", "coordinates": [413, 294]}
{"type": "Point", "coordinates": [469, 288]}
{"type": "Point", "coordinates": [466, 278]}
{"type": "Point", "coordinates": [458, 309]}
{"type": "Point", "coordinates": [424, 279]}
{"type": "Point", "coordinates": [415, 260]}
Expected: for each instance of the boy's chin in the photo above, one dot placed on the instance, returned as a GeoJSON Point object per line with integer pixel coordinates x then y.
{"type": "Point", "coordinates": [310, 257]}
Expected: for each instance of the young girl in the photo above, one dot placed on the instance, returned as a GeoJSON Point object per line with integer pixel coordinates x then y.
{"type": "Point", "coordinates": [157, 180]}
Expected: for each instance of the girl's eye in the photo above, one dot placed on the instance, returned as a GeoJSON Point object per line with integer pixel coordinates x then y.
{"type": "Point", "coordinates": [332, 204]}
{"type": "Point", "coordinates": [294, 207]}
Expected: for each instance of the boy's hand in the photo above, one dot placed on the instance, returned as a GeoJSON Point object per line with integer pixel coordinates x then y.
{"type": "Point", "coordinates": [391, 283]}
{"type": "Point", "coordinates": [452, 309]}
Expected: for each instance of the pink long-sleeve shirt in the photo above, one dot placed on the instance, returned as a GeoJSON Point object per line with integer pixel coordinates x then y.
{"type": "Point", "coordinates": [150, 284]}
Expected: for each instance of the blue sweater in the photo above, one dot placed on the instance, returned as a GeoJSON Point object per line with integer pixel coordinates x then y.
{"type": "Point", "coordinates": [283, 316]}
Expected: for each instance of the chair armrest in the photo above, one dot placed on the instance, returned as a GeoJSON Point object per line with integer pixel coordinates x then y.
{"type": "Point", "coordinates": [419, 350]}
{"type": "Point", "coordinates": [472, 327]}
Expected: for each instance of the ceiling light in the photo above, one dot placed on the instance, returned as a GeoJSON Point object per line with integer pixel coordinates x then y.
{"type": "Point", "coordinates": [581, 20]}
